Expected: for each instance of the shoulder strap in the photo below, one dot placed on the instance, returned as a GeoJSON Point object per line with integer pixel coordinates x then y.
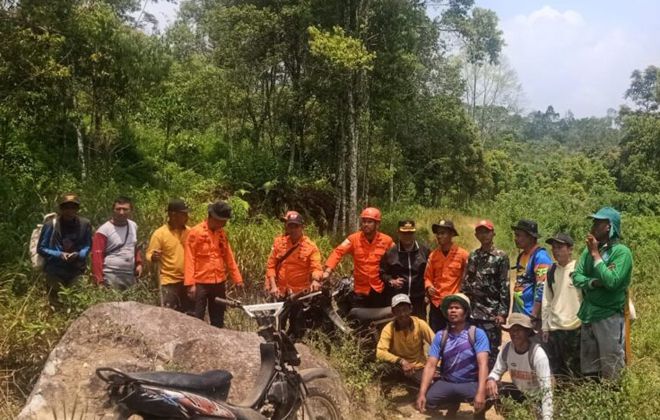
{"type": "Point", "coordinates": [505, 353]}
{"type": "Point", "coordinates": [285, 256]}
{"type": "Point", "coordinates": [472, 335]}
{"type": "Point", "coordinates": [443, 341]}
{"type": "Point", "coordinates": [120, 246]}
{"type": "Point", "coordinates": [531, 352]}
{"type": "Point", "coordinates": [551, 277]}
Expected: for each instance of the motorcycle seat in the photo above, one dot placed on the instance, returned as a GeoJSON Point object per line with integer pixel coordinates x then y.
{"type": "Point", "coordinates": [370, 314]}
{"type": "Point", "coordinates": [212, 382]}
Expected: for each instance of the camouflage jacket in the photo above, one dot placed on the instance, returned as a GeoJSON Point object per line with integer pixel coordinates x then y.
{"type": "Point", "coordinates": [486, 283]}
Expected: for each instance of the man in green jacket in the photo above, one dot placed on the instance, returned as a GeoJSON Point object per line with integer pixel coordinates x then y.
{"type": "Point", "coordinates": [603, 274]}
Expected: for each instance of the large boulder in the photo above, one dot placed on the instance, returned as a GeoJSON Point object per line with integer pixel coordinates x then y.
{"type": "Point", "coordinates": [135, 337]}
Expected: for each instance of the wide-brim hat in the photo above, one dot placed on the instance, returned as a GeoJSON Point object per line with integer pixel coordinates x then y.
{"type": "Point", "coordinates": [444, 224]}
{"type": "Point", "coordinates": [518, 319]}
{"type": "Point", "coordinates": [529, 226]}
{"type": "Point", "coordinates": [456, 297]}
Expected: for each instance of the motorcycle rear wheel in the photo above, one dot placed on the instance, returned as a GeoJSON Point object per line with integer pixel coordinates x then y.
{"type": "Point", "coordinates": [322, 404]}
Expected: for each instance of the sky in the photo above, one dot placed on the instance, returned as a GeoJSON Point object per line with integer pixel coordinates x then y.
{"type": "Point", "coordinates": [575, 55]}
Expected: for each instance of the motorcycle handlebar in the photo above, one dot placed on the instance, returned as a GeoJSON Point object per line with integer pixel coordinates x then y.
{"type": "Point", "coordinates": [228, 302]}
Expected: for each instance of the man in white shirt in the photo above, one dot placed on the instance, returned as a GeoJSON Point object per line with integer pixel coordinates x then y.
{"type": "Point", "coordinates": [527, 364]}
{"type": "Point", "coordinates": [561, 302]}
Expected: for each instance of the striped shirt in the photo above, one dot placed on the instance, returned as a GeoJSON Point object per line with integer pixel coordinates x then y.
{"type": "Point", "coordinates": [459, 357]}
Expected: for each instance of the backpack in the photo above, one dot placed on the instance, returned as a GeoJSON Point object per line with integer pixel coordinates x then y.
{"type": "Point", "coordinates": [37, 260]}
{"type": "Point", "coordinates": [531, 352]}
{"type": "Point", "coordinates": [472, 333]}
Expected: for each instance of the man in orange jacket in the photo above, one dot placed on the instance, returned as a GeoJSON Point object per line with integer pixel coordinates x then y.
{"type": "Point", "coordinates": [294, 265]}
{"type": "Point", "coordinates": [367, 248]}
{"type": "Point", "coordinates": [208, 261]}
{"type": "Point", "coordinates": [295, 261]}
{"type": "Point", "coordinates": [444, 271]}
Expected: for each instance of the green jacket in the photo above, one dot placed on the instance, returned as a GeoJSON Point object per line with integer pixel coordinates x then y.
{"type": "Point", "coordinates": [614, 273]}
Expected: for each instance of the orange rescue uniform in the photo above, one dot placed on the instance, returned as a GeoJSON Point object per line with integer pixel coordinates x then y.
{"type": "Point", "coordinates": [445, 273]}
{"type": "Point", "coordinates": [208, 257]}
{"type": "Point", "coordinates": [366, 259]}
{"type": "Point", "coordinates": [299, 268]}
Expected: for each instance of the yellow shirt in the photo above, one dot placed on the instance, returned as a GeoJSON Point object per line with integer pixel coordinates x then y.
{"type": "Point", "coordinates": [405, 344]}
{"type": "Point", "coordinates": [170, 243]}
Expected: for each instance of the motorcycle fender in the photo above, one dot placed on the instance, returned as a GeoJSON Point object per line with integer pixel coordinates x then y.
{"type": "Point", "coordinates": [308, 375]}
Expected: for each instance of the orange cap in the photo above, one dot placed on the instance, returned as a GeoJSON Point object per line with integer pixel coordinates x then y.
{"type": "Point", "coordinates": [485, 223]}
{"type": "Point", "coordinates": [370, 213]}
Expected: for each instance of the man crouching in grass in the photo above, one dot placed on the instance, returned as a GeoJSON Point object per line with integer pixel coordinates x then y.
{"type": "Point", "coordinates": [402, 340]}
{"type": "Point", "coordinates": [463, 350]}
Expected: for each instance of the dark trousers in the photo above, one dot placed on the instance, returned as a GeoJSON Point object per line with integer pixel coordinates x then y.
{"type": "Point", "coordinates": [176, 297]}
{"type": "Point", "coordinates": [494, 334]}
{"type": "Point", "coordinates": [55, 283]}
{"type": "Point", "coordinates": [450, 395]}
{"type": "Point", "coordinates": [205, 295]}
{"type": "Point", "coordinates": [372, 300]}
{"type": "Point", "coordinates": [563, 350]}
{"type": "Point", "coordinates": [437, 320]}
{"type": "Point", "coordinates": [418, 306]}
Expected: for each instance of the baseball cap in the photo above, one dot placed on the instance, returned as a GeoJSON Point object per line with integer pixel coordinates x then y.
{"type": "Point", "coordinates": [177, 205]}
{"type": "Point", "coordinates": [220, 210]}
{"type": "Point", "coordinates": [399, 299]}
{"type": "Point", "coordinates": [485, 224]}
{"type": "Point", "coordinates": [563, 238]}
{"type": "Point", "coordinates": [69, 198]}
{"type": "Point", "coordinates": [293, 217]}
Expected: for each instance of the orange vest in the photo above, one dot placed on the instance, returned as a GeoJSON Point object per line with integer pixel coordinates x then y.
{"type": "Point", "coordinates": [366, 259]}
{"type": "Point", "coordinates": [296, 271]}
{"type": "Point", "coordinates": [445, 273]}
{"type": "Point", "coordinates": [208, 257]}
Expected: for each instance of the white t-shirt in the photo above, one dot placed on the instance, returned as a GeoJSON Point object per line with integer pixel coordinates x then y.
{"type": "Point", "coordinates": [119, 259]}
{"type": "Point", "coordinates": [526, 378]}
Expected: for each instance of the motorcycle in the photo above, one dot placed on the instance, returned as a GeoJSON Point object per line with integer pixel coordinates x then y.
{"type": "Point", "coordinates": [280, 391]}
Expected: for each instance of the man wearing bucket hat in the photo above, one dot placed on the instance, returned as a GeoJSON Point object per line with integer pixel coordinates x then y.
{"type": "Point", "coordinates": [486, 283]}
{"type": "Point", "coordinates": [166, 252]}
{"type": "Point", "coordinates": [64, 244]}
{"type": "Point", "coordinates": [209, 261]}
{"type": "Point", "coordinates": [603, 273]}
{"type": "Point", "coordinates": [531, 267]}
{"type": "Point", "coordinates": [444, 270]}
{"type": "Point", "coordinates": [561, 302]}
{"type": "Point", "coordinates": [463, 350]}
{"type": "Point", "coordinates": [527, 364]}
{"type": "Point", "coordinates": [402, 267]}
{"type": "Point", "coordinates": [367, 248]}
{"type": "Point", "coordinates": [402, 340]}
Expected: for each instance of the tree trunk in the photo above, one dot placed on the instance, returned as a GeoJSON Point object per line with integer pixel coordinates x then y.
{"type": "Point", "coordinates": [353, 141]}
{"type": "Point", "coordinates": [81, 152]}
{"type": "Point", "coordinates": [392, 151]}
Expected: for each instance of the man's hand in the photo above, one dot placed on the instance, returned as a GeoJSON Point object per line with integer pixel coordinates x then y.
{"type": "Point", "coordinates": [315, 286]}
{"type": "Point", "coordinates": [430, 291]}
{"type": "Point", "coordinates": [407, 367]}
{"type": "Point", "coordinates": [72, 256]}
{"type": "Point", "coordinates": [396, 283]}
{"type": "Point", "coordinates": [491, 388]}
{"type": "Point", "coordinates": [499, 320]}
{"type": "Point", "coordinates": [421, 402]}
{"type": "Point", "coordinates": [138, 270]}
{"type": "Point", "coordinates": [545, 336]}
{"type": "Point", "coordinates": [592, 246]}
{"type": "Point", "coordinates": [191, 291]}
{"type": "Point", "coordinates": [156, 255]}
{"type": "Point", "coordinates": [479, 400]}
{"type": "Point", "coordinates": [64, 256]}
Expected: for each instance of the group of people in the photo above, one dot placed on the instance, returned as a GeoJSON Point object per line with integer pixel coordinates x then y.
{"type": "Point", "coordinates": [566, 318]}
{"type": "Point", "coordinates": [575, 309]}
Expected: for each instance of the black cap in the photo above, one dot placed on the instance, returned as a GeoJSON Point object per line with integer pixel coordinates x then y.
{"type": "Point", "coordinates": [220, 210]}
{"type": "Point", "coordinates": [528, 226]}
{"type": "Point", "coordinates": [69, 198]}
{"type": "Point", "coordinates": [407, 226]}
{"type": "Point", "coordinates": [562, 238]}
{"type": "Point", "coordinates": [444, 224]}
{"type": "Point", "coordinates": [177, 205]}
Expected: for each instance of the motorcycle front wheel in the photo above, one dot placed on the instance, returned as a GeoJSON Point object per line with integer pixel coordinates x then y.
{"type": "Point", "coordinates": [319, 405]}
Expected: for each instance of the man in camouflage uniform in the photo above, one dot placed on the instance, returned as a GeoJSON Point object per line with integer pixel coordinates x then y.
{"type": "Point", "coordinates": [486, 283]}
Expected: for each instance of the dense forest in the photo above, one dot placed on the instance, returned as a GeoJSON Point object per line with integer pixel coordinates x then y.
{"type": "Point", "coordinates": [323, 106]}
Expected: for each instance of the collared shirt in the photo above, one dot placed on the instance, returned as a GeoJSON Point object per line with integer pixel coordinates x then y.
{"type": "Point", "coordinates": [445, 272]}
{"type": "Point", "coordinates": [208, 257]}
{"type": "Point", "coordinates": [366, 259]}
{"type": "Point", "coordinates": [407, 344]}
{"type": "Point", "coordinates": [531, 271]}
{"type": "Point", "coordinates": [170, 242]}
{"type": "Point", "coordinates": [297, 270]}
{"type": "Point", "coordinates": [486, 283]}
{"type": "Point", "coordinates": [561, 301]}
